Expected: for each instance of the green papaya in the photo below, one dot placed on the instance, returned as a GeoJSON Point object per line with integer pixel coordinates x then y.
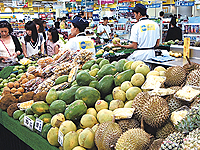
{"type": "Point", "coordinates": [99, 60]}
{"type": "Point", "coordinates": [123, 76]}
{"type": "Point", "coordinates": [29, 111]}
{"type": "Point", "coordinates": [127, 65]}
{"type": "Point", "coordinates": [93, 84]}
{"type": "Point", "coordinates": [46, 118]}
{"type": "Point", "coordinates": [61, 79]}
{"type": "Point", "coordinates": [88, 64]}
{"type": "Point", "coordinates": [88, 94]}
{"type": "Point", "coordinates": [94, 72]}
{"type": "Point", "coordinates": [69, 95]}
{"type": "Point", "coordinates": [45, 130]}
{"type": "Point", "coordinates": [120, 64]}
{"type": "Point", "coordinates": [107, 69]}
{"type": "Point", "coordinates": [109, 98]}
{"type": "Point", "coordinates": [93, 78]}
{"type": "Point", "coordinates": [106, 85]}
{"type": "Point", "coordinates": [114, 63]}
{"type": "Point", "coordinates": [40, 107]}
{"type": "Point", "coordinates": [95, 66]}
{"type": "Point", "coordinates": [75, 110]}
{"type": "Point", "coordinates": [51, 96]}
{"type": "Point", "coordinates": [57, 106]}
{"type": "Point", "coordinates": [17, 114]}
{"type": "Point", "coordinates": [103, 62]}
{"type": "Point", "coordinates": [83, 78]}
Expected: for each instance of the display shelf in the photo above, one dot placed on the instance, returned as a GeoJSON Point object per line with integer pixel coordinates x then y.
{"type": "Point", "coordinates": [194, 34]}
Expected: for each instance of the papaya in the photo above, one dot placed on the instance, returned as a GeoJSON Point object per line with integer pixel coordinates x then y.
{"type": "Point", "coordinates": [45, 130]}
{"type": "Point", "coordinates": [17, 114]}
{"type": "Point", "coordinates": [46, 118]}
{"type": "Point", "coordinates": [52, 136]}
{"type": "Point", "coordinates": [88, 94]}
{"type": "Point", "coordinates": [29, 111]}
{"type": "Point", "coordinates": [75, 110]}
{"type": "Point", "coordinates": [99, 60]}
{"type": "Point", "coordinates": [93, 84]}
{"type": "Point", "coordinates": [70, 140]}
{"type": "Point", "coordinates": [120, 64]}
{"type": "Point", "coordinates": [83, 78]}
{"type": "Point", "coordinates": [109, 98]}
{"type": "Point", "coordinates": [61, 79]}
{"type": "Point", "coordinates": [93, 78]}
{"type": "Point", "coordinates": [107, 69]}
{"type": "Point", "coordinates": [95, 66]}
{"type": "Point", "coordinates": [106, 85]}
{"type": "Point", "coordinates": [127, 65]}
{"type": "Point", "coordinates": [57, 106]}
{"type": "Point", "coordinates": [94, 72]}
{"type": "Point", "coordinates": [103, 62]}
{"type": "Point", "coordinates": [40, 107]}
{"type": "Point", "coordinates": [123, 76]}
{"type": "Point", "coordinates": [69, 95]}
{"type": "Point", "coordinates": [51, 96]}
{"type": "Point", "coordinates": [88, 64]}
{"type": "Point", "coordinates": [114, 63]}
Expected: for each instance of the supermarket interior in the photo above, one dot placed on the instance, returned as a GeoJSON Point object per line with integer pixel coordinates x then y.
{"type": "Point", "coordinates": [100, 74]}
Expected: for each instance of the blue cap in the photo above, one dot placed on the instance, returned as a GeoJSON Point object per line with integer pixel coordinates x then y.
{"type": "Point", "coordinates": [80, 23]}
{"type": "Point", "coordinates": [140, 8]}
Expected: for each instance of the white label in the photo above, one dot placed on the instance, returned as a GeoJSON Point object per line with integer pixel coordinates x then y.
{"type": "Point", "coordinates": [29, 123]}
{"type": "Point", "coordinates": [38, 124]}
{"type": "Point", "coordinates": [60, 137]}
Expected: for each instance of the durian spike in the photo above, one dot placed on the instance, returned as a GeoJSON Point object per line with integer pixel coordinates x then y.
{"type": "Point", "coordinates": [142, 123]}
{"type": "Point", "coordinates": [188, 60]}
{"type": "Point", "coordinates": [113, 119]}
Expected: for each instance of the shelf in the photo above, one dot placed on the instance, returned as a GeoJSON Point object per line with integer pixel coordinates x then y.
{"type": "Point", "coordinates": [191, 24]}
{"type": "Point", "coordinates": [195, 34]}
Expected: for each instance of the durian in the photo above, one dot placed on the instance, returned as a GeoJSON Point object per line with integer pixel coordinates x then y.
{"type": "Point", "coordinates": [195, 102]}
{"type": "Point", "coordinates": [193, 78]}
{"type": "Point", "coordinates": [173, 142]}
{"type": "Point", "coordinates": [133, 139]}
{"type": "Point", "coordinates": [155, 111]}
{"type": "Point", "coordinates": [156, 144]}
{"type": "Point", "coordinates": [174, 104]}
{"type": "Point", "coordinates": [126, 124]}
{"type": "Point", "coordinates": [139, 102]}
{"type": "Point", "coordinates": [165, 130]}
{"type": "Point", "coordinates": [107, 135]}
{"type": "Point", "coordinates": [191, 66]}
{"type": "Point", "coordinates": [175, 76]}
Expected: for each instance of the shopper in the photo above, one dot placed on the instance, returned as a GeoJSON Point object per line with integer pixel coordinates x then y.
{"type": "Point", "coordinates": [144, 35]}
{"type": "Point", "coordinates": [52, 45]}
{"type": "Point", "coordinates": [63, 24]}
{"type": "Point", "coordinates": [57, 23]}
{"type": "Point", "coordinates": [45, 25]}
{"type": "Point", "coordinates": [80, 41]}
{"type": "Point", "coordinates": [173, 32]}
{"type": "Point", "coordinates": [32, 43]}
{"type": "Point", "coordinates": [104, 31]}
{"type": "Point", "coordinates": [9, 44]}
{"type": "Point", "coordinates": [161, 14]}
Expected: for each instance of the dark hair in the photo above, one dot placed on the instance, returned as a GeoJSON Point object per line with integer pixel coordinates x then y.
{"type": "Point", "coordinates": [40, 23]}
{"type": "Point", "coordinates": [6, 24]}
{"type": "Point", "coordinates": [30, 25]}
{"type": "Point", "coordinates": [44, 21]}
{"type": "Point", "coordinates": [142, 13]}
{"type": "Point", "coordinates": [173, 21]}
{"type": "Point", "coordinates": [75, 26]}
{"type": "Point", "coordinates": [54, 33]}
{"type": "Point", "coordinates": [105, 18]}
{"type": "Point", "coordinates": [161, 13]}
{"type": "Point", "coordinates": [63, 18]}
{"type": "Point", "coordinates": [80, 14]}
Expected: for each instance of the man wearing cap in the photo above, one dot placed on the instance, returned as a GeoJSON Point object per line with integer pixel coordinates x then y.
{"type": "Point", "coordinates": [144, 35]}
{"type": "Point", "coordinates": [80, 40]}
{"type": "Point", "coordinates": [103, 30]}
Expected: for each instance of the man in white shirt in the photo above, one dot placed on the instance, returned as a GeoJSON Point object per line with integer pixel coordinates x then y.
{"type": "Point", "coordinates": [104, 31]}
{"type": "Point", "coordinates": [80, 41]}
{"type": "Point", "coordinates": [144, 35]}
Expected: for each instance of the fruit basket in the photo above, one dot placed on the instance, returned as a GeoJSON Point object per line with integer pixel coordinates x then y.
{"type": "Point", "coordinates": [187, 93]}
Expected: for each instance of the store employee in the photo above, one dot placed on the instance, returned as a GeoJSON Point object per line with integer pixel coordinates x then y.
{"type": "Point", "coordinates": [104, 31]}
{"type": "Point", "coordinates": [144, 35]}
{"type": "Point", "coordinates": [80, 41]}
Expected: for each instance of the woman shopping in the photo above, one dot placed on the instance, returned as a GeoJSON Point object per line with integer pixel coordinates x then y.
{"type": "Point", "coordinates": [32, 43]}
{"type": "Point", "coordinates": [9, 44]}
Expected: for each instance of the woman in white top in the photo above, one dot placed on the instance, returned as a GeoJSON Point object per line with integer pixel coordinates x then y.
{"type": "Point", "coordinates": [9, 44]}
{"type": "Point", "coordinates": [33, 42]}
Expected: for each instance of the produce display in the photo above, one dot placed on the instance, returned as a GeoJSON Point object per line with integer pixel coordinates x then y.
{"type": "Point", "coordinates": [94, 104]}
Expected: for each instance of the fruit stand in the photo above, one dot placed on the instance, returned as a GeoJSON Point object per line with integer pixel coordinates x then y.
{"type": "Point", "coordinates": [72, 101]}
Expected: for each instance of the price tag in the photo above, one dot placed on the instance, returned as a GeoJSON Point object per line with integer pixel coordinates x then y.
{"type": "Point", "coordinates": [29, 123]}
{"type": "Point", "coordinates": [60, 137]}
{"type": "Point", "coordinates": [38, 124]}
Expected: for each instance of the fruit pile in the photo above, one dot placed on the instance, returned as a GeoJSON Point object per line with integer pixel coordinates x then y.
{"type": "Point", "coordinates": [112, 106]}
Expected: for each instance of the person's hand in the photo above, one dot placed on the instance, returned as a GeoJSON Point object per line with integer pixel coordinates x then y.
{"type": "Point", "coordinates": [18, 52]}
{"type": "Point", "coordinates": [4, 59]}
{"type": "Point", "coordinates": [14, 55]}
{"type": "Point", "coordinates": [117, 44]}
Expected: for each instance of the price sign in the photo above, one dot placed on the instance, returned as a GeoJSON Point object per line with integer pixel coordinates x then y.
{"type": "Point", "coordinates": [38, 124]}
{"type": "Point", "coordinates": [29, 123]}
{"type": "Point", "coordinates": [60, 137]}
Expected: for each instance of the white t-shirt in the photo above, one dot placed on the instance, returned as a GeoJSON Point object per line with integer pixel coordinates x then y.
{"type": "Point", "coordinates": [10, 47]}
{"type": "Point", "coordinates": [81, 42]}
{"type": "Point", "coordinates": [101, 29]}
{"type": "Point", "coordinates": [33, 49]}
{"type": "Point", "coordinates": [145, 33]}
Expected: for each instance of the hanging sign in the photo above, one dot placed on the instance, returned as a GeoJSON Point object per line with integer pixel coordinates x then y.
{"type": "Point", "coordinates": [105, 2]}
{"type": "Point", "coordinates": [183, 3]}
{"type": "Point", "coordinates": [153, 6]}
{"type": "Point", "coordinates": [87, 2]}
{"type": "Point", "coordinates": [95, 17]}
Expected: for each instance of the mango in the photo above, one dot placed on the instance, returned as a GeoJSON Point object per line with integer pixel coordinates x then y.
{"type": "Point", "coordinates": [92, 111]}
{"type": "Point", "coordinates": [114, 104]}
{"type": "Point", "coordinates": [104, 115]}
{"type": "Point", "coordinates": [137, 79]}
{"type": "Point", "coordinates": [52, 136]}
{"type": "Point", "coordinates": [57, 119]}
{"type": "Point", "coordinates": [101, 104]}
{"type": "Point", "coordinates": [132, 92]}
{"type": "Point", "coordinates": [128, 104]}
{"type": "Point", "coordinates": [88, 120]}
{"type": "Point", "coordinates": [143, 69]}
{"type": "Point", "coordinates": [86, 138]}
{"type": "Point", "coordinates": [126, 85]}
{"type": "Point", "coordinates": [136, 63]}
{"type": "Point", "coordinates": [70, 140]}
{"type": "Point", "coordinates": [119, 95]}
{"type": "Point", "coordinates": [67, 126]}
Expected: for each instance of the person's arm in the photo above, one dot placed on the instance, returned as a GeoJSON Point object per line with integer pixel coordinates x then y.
{"type": "Point", "coordinates": [104, 31]}
{"type": "Point", "coordinates": [24, 50]}
{"type": "Point", "coordinates": [3, 58]}
{"type": "Point", "coordinates": [157, 42]}
{"type": "Point", "coordinates": [56, 49]}
{"type": "Point", "coordinates": [42, 48]}
{"type": "Point", "coordinates": [132, 45]}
